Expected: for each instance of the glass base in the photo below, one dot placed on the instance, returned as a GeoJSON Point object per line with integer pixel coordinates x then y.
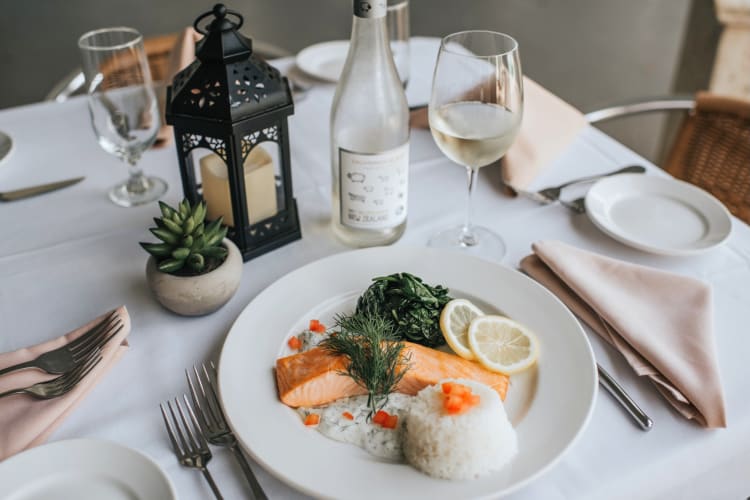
{"type": "Point", "coordinates": [485, 243]}
{"type": "Point", "coordinates": [153, 189]}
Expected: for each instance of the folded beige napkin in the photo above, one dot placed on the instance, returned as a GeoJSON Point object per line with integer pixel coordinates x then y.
{"type": "Point", "coordinates": [182, 54]}
{"type": "Point", "coordinates": [26, 422]}
{"type": "Point", "coordinates": [549, 125]}
{"type": "Point", "coordinates": [660, 322]}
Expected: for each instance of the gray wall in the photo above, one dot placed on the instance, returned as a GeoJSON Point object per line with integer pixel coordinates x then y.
{"type": "Point", "coordinates": [590, 52]}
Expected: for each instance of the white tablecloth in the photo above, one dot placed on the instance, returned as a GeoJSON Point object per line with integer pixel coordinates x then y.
{"type": "Point", "coordinates": [68, 256]}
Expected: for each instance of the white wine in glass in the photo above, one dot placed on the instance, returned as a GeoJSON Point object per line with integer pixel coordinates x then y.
{"type": "Point", "coordinates": [475, 113]}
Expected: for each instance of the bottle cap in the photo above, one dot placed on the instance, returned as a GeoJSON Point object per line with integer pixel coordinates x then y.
{"type": "Point", "coordinates": [370, 9]}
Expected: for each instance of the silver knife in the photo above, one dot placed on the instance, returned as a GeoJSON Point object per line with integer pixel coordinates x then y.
{"type": "Point", "coordinates": [36, 190]}
{"type": "Point", "coordinates": [622, 397]}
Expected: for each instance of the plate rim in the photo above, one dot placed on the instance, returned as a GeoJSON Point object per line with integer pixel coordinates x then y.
{"type": "Point", "coordinates": [304, 54]}
{"type": "Point", "coordinates": [97, 442]}
{"type": "Point", "coordinates": [597, 219]}
{"type": "Point", "coordinates": [291, 481]}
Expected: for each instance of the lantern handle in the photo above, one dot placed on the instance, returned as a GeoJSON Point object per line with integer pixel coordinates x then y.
{"type": "Point", "coordinates": [220, 12]}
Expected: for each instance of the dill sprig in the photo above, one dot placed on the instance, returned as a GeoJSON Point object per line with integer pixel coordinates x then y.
{"type": "Point", "coordinates": [374, 353]}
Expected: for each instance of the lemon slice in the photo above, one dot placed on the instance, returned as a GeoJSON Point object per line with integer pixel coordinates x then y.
{"type": "Point", "coordinates": [502, 345]}
{"type": "Point", "coordinates": [454, 323]}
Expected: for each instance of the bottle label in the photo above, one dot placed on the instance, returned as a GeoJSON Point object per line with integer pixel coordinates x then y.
{"type": "Point", "coordinates": [374, 187]}
{"type": "Point", "coordinates": [370, 9]}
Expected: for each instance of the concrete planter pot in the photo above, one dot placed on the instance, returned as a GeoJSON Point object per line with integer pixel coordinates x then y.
{"type": "Point", "coordinates": [197, 295]}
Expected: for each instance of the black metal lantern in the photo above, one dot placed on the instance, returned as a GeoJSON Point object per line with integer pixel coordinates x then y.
{"type": "Point", "coordinates": [229, 110]}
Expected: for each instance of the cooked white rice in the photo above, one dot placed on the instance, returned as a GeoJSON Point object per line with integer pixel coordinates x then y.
{"type": "Point", "coordinates": [464, 446]}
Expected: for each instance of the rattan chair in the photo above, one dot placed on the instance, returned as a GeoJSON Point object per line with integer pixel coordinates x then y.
{"type": "Point", "coordinates": [712, 149]}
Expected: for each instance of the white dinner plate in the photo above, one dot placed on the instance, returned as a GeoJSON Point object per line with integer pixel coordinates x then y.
{"type": "Point", "coordinates": [549, 405]}
{"type": "Point", "coordinates": [658, 214]}
{"type": "Point", "coordinates": [83, 469]}
{"type": "Point", "coordinates": [324, 60]}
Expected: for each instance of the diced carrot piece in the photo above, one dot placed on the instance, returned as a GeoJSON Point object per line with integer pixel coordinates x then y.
{"type": "Point", "coordinates": [380, 417]}
{"type": "Point", "coordinates": [312, 419]}
{"type": "Point", "coordinates": [460, 390]}
{"type": "Point", "coordinates": [316, 326]}
{"type": "Point", "coordinates": [453, 404]}
{"type": "Point", "coordinates": [347, 415]}
{"type": "Point", "coordinates": [294, 343]}
{"type": "Point", "coordinates": [391, 422]}
{"type": "Point", "coordinates": [458, 398]}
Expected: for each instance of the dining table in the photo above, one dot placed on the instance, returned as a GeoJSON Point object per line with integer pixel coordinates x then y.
{"type": "Point", "coordinates": [71, 255]}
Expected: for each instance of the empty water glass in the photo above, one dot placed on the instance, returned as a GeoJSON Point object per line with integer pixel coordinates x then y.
{"type": "Point", "coordinates": [123, 106]}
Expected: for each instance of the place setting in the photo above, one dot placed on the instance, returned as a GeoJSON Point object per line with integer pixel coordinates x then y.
{"type": "Point", "coordinates": [257, 349]}
{"type": "Point", "coordinates": [39, 387]}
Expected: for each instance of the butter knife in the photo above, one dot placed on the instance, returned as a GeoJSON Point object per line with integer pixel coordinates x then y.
{"type": "Point", "coordinates": [36, 190]}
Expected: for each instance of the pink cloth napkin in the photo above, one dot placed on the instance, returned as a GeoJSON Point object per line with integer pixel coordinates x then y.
{"type": "Point", "coordinates": [182, 54]}
{"type": "Point", "coordinates": [660, 322]}
{"type": "Point", "coordinates": [549, 125]}
{"type": "Point", "coordinates": [26, 422]}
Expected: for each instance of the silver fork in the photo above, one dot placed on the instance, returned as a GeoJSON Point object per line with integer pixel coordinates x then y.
{"type": "Point", "coordinates": [578, 205]}
{"type": "Point", "coordinates": [192, 449]}
{"type": "Point", "coordinates": [67, 357]}
{"type": "Point", "coordinates": [214, 423]}
{"type": "Point", "coordinates": [552, 194]}
{"type": "Point", "coordinates": [60, 385]}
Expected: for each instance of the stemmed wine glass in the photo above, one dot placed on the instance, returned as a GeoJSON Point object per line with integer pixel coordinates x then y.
{"type": "Point", "coordinates": [123, 106]}
{"type": "Point", "coordinates": [475, 113]}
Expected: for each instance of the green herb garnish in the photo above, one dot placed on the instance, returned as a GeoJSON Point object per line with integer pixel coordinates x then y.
{"type": "Point", "coordinates": [413, 306]}
{"type": "Point", "coordinates": [374, 353]}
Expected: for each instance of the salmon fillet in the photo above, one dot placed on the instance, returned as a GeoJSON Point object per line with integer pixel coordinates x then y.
{"type": "Point", "coordinates": [313, 377]}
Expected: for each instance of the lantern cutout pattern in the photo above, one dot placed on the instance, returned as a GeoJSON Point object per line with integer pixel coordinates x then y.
{"type": "Point", "coordinates": [229, 111]}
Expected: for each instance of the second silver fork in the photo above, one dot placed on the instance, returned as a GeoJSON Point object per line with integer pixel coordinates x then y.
{"type": "Point", "coordinates": [214, 424]}
{"type": "Point", "coordinates": [187, 440]}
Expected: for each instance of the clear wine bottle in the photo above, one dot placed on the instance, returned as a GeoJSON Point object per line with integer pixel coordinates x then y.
{"type": "Point", "coordinates": [369, 137]}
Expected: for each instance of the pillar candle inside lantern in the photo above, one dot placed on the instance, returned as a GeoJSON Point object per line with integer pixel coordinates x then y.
{"type": "Point", "coordinates": [260, 187]}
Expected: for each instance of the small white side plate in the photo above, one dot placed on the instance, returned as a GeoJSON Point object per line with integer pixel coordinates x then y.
{"type": "Point", "coordinates": [324, 60]}
{"type": "Point", "coordinates": [658, 214]}
{"type": "Point", "coordinates": [83, 469]}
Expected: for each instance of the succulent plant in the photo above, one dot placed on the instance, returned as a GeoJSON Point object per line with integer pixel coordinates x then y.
{"type": "Point", "coordinates": [188, 245]}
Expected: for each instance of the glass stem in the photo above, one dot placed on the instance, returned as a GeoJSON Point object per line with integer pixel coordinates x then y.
{"type": "Point", "coordinates": [468, 236]}
{"type": "Point", "coordinates": [137, 182]}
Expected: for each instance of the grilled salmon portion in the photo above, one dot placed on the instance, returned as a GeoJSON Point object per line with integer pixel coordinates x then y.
{"type": "Point", "coordinates": [313, 377]}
